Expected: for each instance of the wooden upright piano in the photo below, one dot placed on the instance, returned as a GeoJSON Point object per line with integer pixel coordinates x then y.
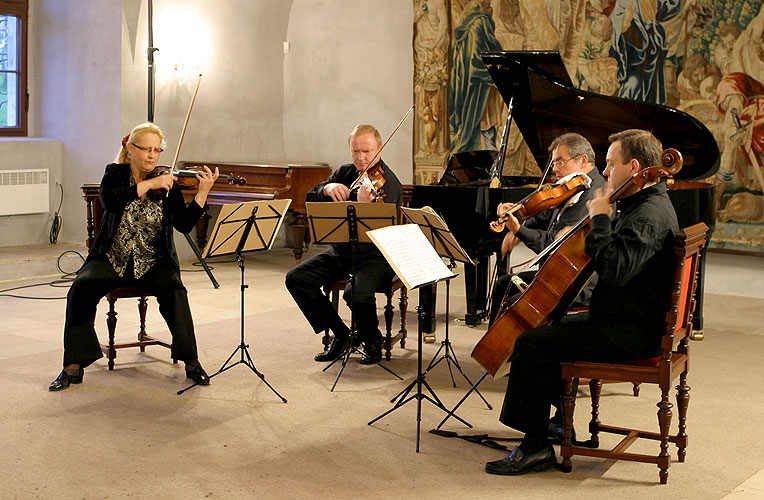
{"type": "Point", "coordinates": [263, 182]}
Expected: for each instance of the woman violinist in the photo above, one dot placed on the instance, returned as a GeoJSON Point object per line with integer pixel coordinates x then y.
{"type": "Point", "coordinates": [134, 247]}
{"type": "Point", "coordinates": [571, 153]}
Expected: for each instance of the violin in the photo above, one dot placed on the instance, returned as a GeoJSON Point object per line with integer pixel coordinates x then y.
{"type": "Point", "coordinates": [374, 177]}
{"type": "Point", "coordinates": [188, 177]}
{"type": "Point", "coordinates": [549, 196]}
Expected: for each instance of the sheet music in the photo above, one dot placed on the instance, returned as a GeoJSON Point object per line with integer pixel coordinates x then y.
{"type": "Point", "coordinates": [409, 253]}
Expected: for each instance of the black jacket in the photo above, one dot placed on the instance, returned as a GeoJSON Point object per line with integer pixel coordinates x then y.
{"type": "Point", "coordinates": [116, 192]}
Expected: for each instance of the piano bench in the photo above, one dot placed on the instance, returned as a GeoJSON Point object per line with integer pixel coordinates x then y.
{"type": "Point", "coordinates": [144, 340]}
{"type": "Point", "coordinates": [333, 290]}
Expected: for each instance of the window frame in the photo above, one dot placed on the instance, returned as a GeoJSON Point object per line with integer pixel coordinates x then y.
{"type": "Point", "coordinates": [20, 9]}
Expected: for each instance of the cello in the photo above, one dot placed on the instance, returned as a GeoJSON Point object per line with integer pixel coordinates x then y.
{"type": "Point", "coordinates": [565, 272]}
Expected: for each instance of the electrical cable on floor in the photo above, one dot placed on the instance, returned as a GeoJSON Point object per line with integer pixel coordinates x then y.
{"type": "Point", "coordinates": [65, 281]}
{"type": "Point", "coordinates": [55, 226]}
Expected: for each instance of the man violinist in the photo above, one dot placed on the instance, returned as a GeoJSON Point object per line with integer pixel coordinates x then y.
{"type": "Point", "coordinates": [571, 154]}
{"type": "Point", "coordinates": [305, 280]}
{"type": "Point", "coordinates": [632, 255]}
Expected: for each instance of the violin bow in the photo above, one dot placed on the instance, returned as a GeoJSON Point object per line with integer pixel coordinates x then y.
{"type": "Point", "coordinates": [379, 153]}
{"type": "Point", "coordinates": [185, 123]}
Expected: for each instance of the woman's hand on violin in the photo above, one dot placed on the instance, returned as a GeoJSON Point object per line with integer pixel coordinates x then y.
{"type": "Point", "coordinates": [162, 182]}
{"type": "Point", "coordinates": [337, 191]}
{"type": "Point", "coordinates": [600, 203]}
{"type": "Point", "coordinates": [207, 178]}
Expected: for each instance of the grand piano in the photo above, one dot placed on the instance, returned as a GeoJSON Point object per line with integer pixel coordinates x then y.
{"type": "Point", "coordinates": [546, 105]}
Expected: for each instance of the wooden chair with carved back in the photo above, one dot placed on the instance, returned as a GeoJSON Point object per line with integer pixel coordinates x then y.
{"type": "Point", "coordinates": [661, 371]}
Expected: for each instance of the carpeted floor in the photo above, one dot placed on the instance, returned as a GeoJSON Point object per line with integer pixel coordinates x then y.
{"type": "Point", "coordinates": [126, 434]}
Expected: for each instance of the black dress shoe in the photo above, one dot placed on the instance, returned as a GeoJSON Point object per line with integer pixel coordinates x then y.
{"type": "Point", "coordinates": [197, 374]}
{"type": "Point", "coordinates": [334, 349]}
{"type": "Point", "coordinates": [64, 379]}
{"type": "Point", "coordinates": [372, 352]}
{"type": "Point", "coordinates": [517, 462]}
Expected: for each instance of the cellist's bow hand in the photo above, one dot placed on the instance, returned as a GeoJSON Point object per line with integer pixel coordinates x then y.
{"type": "Point", "coordinates": [337, 191]}
{"type": "Point", "coordinates": [600, 203]}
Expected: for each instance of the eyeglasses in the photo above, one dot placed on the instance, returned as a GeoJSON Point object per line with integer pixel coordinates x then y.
{"type": "Point", "coordinates": [148, 149]}
{"type": "Point", "coordinates": [559, 163]}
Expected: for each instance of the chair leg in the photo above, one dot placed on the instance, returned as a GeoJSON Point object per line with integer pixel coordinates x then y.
{"type": "Point", "coordinates": [111, 323]}
{"type": "Point", "coordinates": [595, 387]}
{"type": "Point", "coordinates": [403, 305]}
{"type": "Point", "coordinates": [568, 407]}
{"type": "Point", "coordinates": [388, 339]}
{"type": "Point", "coordinates": [664, 423]}
{"type": "Point", "coordinates": [143, 305]}
{"type": "Point", "coordinates": [682, 403]}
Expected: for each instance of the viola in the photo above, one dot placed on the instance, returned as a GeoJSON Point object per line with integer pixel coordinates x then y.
{"type": "Point", "coordinates": [565, 272]}
{"type": "Point", "coordinates": [548, 197]}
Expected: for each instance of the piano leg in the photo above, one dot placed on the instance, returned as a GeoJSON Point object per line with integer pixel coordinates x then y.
{"type": "Point", "coordinates": [697, 315]}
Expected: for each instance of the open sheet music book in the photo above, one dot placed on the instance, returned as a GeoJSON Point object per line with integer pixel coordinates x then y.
{"type": "Point", "coordinates": [410, 255]}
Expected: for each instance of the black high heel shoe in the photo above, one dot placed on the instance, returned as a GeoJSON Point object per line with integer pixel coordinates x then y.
{"type": "Point", "coordinates": [64, 379]}
{"type": "Point", "coordinates": [197, 374]}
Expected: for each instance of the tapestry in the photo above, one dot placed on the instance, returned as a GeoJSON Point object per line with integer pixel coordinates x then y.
{"type": "Point", "coordinates": [704, 57]}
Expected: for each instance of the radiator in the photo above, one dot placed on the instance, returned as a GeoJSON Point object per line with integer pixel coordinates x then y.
{"type": "Point", "coordinates": [24, 191]}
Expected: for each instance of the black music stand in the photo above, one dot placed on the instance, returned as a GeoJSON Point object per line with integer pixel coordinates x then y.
{"type": "Point", "coordinates": [417, 264]}
{"type": "Point", "coordinates": [442, 240]}
{"type": "Point", "coordinates": [233, 233]}
{"type": "Point", "coordinates": [338, 222]}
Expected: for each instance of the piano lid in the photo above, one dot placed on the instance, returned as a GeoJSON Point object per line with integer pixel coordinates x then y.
{"type": "Point", "coordinates": [547, 105]}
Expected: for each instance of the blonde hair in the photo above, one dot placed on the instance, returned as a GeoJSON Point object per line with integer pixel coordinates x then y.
{"type": "Point", "coordinates": [135, 134]}
{"type": "Point", "coordinates": [364, 129]}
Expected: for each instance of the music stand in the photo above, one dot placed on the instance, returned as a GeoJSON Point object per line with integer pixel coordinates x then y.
{"type": "Point", "coordinates": [442, 240]}
{"type": "Point", "coordinates": [348, 222]}
{"type": "Point", "coordinates": [233, 233]}
{"type": "Point", "coordinates": [417, 264]}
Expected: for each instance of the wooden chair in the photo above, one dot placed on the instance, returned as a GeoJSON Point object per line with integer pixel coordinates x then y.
{"type": "Point", "coordinates": [388, 340]}
{"type": "Point", "coordinates": [144, 340]}
{"type": "Point", "coordinates": [662, 371]}
{"type": "Point", "coordinates": [94, 212]}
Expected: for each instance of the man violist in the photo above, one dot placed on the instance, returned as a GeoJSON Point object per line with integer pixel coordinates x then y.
{"type": "Point", "coordinates": [571, 154]}
{"type": "Point", "coordinates": [305, 280]}
{"type": "Point", "coordinates": [632, 255]}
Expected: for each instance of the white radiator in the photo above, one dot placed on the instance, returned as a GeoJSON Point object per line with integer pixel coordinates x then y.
{"type": "Point", "coordinates": [24, 191]}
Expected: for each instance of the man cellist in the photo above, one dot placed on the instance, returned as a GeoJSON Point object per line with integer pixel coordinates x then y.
{"type": "Point", "coordinates": [632, 257]}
